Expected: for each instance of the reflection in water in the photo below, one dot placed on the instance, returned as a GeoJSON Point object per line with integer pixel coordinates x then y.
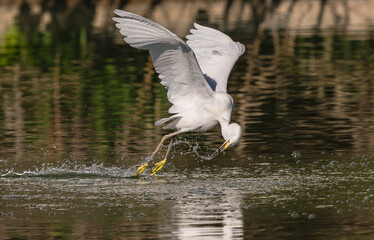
{"type": "Point", "coordinates": [77, 112]}
{"type": "Point", "coordinates": [210, 217]}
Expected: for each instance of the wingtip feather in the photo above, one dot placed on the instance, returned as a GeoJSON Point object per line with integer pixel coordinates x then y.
{"type": "Point", "coordinates": [120, 12]}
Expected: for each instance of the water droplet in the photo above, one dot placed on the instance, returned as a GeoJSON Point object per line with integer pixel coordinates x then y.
{"type": "Point", "coordinates": [353, 165]}
{"type": "Point", "coordinates": [144, 158]}
{"type": "Point", "coordinates": [311, 216]}
{"type": "Point", "coordinates": [170, 198]}
{"type": "Point", "coordinates": [364, 164]}
{"type": "Point", "coordinates": [366, 199]}
{"type": "Point", "coordinates": [295, 214]}
{"type": "Point", "coordinates": [253, 205]}
{"type": "Point", "coordinates": [333, 163]}
{"type": "Point", "coordinates": [296, 155]}
{"type": "Point", "coordinates": [269, 168]}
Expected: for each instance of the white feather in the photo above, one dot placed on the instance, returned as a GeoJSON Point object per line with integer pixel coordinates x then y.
{"type": "Point", "coordinates": [172, 58]}
{"type": "Point", "coordinates": [216, 54]}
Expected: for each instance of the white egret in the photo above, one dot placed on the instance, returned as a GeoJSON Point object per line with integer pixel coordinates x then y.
{"type": "Point", "coordinates": [195, 75]}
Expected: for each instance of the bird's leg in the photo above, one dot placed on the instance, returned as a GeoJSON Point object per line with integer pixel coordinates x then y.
{"type": "Point", "coordinates": [158, 146]}
{"type": "Point", "coordinates": [161, 164]}
{"type": "Point", "coordinates": [145, 165]}
{"type": "Point", "coordinates": [162, 141]}
{"type": "Point", "coordinates": [141, 168]}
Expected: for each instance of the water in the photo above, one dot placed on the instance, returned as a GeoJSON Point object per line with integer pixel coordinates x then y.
{"type": "Point", "coordinates": [77, 112]}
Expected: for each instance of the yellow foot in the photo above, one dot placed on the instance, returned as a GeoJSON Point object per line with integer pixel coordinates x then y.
{"type": "Point", "coordinates": [141, 169]}
{"type": "Point", "coordinates": [158, 166]}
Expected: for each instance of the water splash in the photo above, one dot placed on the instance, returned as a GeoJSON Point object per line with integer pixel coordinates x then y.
{"type": "Point", "coordinates": [193, 148]}
{"type": "Point", "coordinates": [68, 169]}
{"type": "Point", "coordinates": [11, 173]}
{"type": "Point", "coordinates": [207, 158]}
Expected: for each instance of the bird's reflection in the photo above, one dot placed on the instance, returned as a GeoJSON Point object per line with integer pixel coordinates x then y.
{"type": "Point", "coordinates": [209, 216]}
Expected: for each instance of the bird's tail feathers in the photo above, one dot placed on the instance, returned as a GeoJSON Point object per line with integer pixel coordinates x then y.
{"type": "Point", "coordinates": [171, 124]}
{"type": "Point", "coordinates": [162, 121]}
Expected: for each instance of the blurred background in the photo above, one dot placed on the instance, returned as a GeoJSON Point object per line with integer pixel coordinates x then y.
{"type": "Point", "coordinates": [78, 106]}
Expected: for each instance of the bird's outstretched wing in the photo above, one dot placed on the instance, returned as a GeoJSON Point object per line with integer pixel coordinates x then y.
{"type": "Point", "coordinates": [172, 58]}
{"type": "Point", "coordinates": [216, 54]}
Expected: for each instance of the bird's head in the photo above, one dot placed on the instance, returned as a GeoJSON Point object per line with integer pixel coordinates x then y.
{"type": "Point", "coordinates": [231, 134]}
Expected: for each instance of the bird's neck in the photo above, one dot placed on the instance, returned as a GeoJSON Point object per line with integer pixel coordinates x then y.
{"type": "Point", "coordinates": [225, 129]}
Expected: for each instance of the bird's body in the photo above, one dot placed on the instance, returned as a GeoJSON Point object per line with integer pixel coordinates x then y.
{"type": "Point", "coordinates": [194, 73]}
{"type": "Point", "coordinates": [201, 116]}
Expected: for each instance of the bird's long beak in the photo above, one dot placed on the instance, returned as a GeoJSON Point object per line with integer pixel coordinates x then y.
{"type": "Point", "coordinates": [223, 147]}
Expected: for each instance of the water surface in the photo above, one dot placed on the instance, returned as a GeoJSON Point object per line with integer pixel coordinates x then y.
{"type": "Point", "coordinates": [77, 113]}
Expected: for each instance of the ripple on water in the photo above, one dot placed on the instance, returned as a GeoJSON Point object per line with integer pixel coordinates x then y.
{"type": "Point", "coordinates": [72, 170]}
